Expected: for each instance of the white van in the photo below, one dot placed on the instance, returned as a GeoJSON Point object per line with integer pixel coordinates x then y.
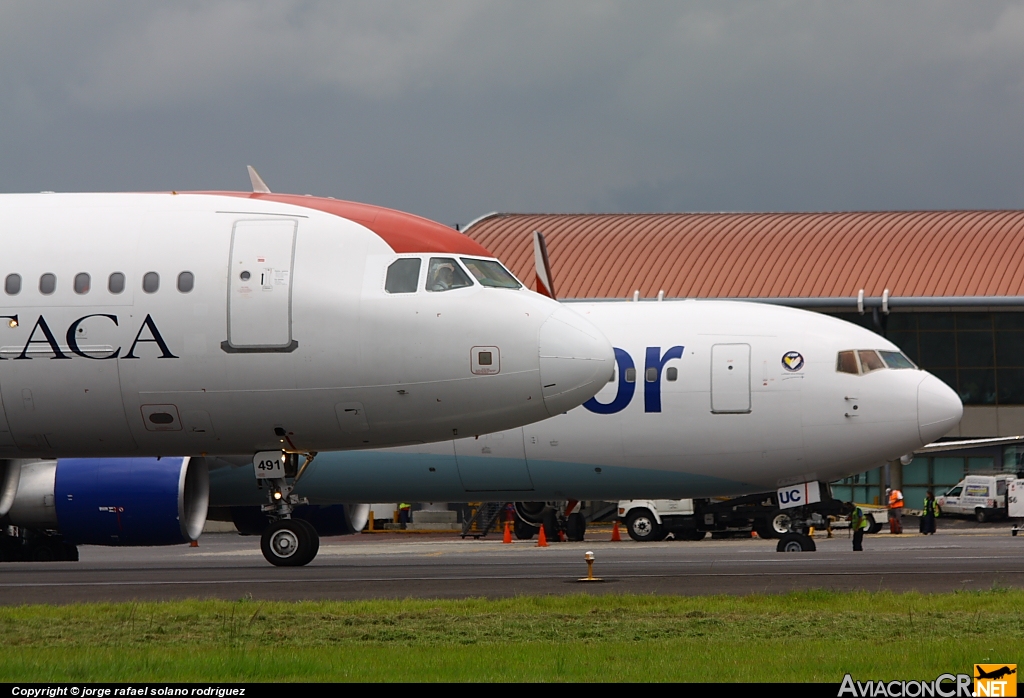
{"type": "Point", "coordinates": [980, 496]}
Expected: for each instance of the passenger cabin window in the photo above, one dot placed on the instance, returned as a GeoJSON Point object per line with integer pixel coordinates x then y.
{"type": "Point", "coordinates": [402, 276]}
{"type": "Point", "coordinates": [445, 274]}
{"type": "Point", "coordinates": [490, 273]}
{"type": "Point", "coordinates": [115, 282]}
{"type": "Point", "coordinates": [186, 282]}
{"type": "Point", "coordinates": [652, 375]}
{"type": "Point", "coordinates": [631, 375]}
{"type": "Point", "coordinates": [671, 374]}
{"type": "Point", "coordinates": [82, 283]}
{"type": "Point", "coordinates": [151, 282]}
{"type": "Point", "coordinates": [870, 361]}
{"type": "Point", "coordinates": [47, 284]}
{"type": "Point", "coordinates": [847, 363]}
{"type": "Point", "coordinates": [895, 359]}
{"type": "Point", "coordinates": [12, 284]}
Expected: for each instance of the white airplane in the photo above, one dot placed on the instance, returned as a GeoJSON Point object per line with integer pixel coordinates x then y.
{"type": "Point", "coordinates": [224, 323]}
{"type": "Point", "coordinates": [708, 398]}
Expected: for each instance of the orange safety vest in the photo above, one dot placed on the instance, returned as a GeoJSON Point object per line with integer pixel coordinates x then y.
{"type": "Point", "coordinates": [895, 499]}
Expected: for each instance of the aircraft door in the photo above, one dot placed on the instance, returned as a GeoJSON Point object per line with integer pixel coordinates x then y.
{"type": "Point", "coordinates": [730, 378]}
{"type": "Point", "coordinates": [493, 462]}
{"type": "Point", "coordinates": [260, 286]}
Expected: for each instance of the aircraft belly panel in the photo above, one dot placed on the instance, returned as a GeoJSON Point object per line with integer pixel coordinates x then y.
{"type": "Point", "coordinates": [493, 462]}
{"type": "Point", "coordinates": [65, 406]}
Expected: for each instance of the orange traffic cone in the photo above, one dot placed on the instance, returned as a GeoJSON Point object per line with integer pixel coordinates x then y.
{"type": "Point", "coordinates": [542, 539]}
{"type": "Point", "coordinates": [194, 544]}
{"type": "Point", "coordinates": [507, 538]}
{"type": "Point", "coordinates": [616, 538]}
{"type": "Point", "coordinates": [753, 534]}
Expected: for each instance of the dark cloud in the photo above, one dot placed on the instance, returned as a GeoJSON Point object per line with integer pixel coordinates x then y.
{"type": "Point", "coordinates": [454, 109]}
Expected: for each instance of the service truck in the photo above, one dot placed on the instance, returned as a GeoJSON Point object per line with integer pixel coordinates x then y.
{"type": "Point", "coordinates": [980, 496]}
{"type": "Point", "coordinates": [769, 514]}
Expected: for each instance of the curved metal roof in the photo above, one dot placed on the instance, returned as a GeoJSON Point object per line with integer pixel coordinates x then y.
{"type": "Point", "coordinates": [767, 255]}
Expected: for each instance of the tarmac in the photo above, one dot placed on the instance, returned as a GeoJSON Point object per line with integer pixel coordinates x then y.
{"type": "Point", "coordinates": [960, 556]}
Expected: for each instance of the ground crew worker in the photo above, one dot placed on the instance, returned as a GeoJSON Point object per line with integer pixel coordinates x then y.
{"type": "Point", "coordinates": [404, 513]}
{"type": "Point", "coordinates": [930, 513]}
{"type": "Point", "coordinates": [895, 510]}
{"type": "Point", "coordinates": [859, 524]}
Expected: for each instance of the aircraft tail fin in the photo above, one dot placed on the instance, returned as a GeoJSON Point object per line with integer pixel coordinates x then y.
{"type": "Point", "coordinates": [258, 185]}
{"type": "Point", "coordinates": [545, 287]}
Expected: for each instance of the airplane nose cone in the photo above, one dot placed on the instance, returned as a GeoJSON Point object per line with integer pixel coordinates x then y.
{"type": "Point", "coordinates": [575, 361]}
{"type": "Point", "coordinates": [938, 409]}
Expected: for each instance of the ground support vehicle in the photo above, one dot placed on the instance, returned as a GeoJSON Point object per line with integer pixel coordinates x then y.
{"type": "Point", "coordinates": [983, 497]}
{"type": "Point", "coordinates": [693, 519]}
{"type": "Point", "coordinates": [1015, 503]}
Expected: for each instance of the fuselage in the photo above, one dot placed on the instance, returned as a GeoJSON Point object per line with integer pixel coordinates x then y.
{"type": "Point", "coordinates": [217, 323]}
{"type": "Point", "coordinates": [709, 398]}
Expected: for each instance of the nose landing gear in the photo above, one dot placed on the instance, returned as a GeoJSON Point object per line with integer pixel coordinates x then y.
{"type": "Point", "coordinates": [288, 542]}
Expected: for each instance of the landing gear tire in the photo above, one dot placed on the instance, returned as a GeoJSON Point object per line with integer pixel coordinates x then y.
{"type": "Point", "coordinates": [523, 530]}
{"type": "Point", "coordinates": [795, 543]}
{"type": "Point", "coordinates": [290, 543]}
{"type": "Point", "coordinates": [43, 553]}
{"type": "Point", "coordinates": [575, 527]}
{"type": "Point", "coordinates": [873, 526]}
{"type": "Point", "coordinates": [643, 527]}
{"type": "Point", "coordinates": [551, 526]}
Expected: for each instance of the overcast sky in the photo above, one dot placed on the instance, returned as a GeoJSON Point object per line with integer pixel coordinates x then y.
{"type": "Point", "coordinates": [453, 109]}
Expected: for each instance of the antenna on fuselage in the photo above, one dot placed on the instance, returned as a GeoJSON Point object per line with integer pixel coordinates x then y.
{"type": "Point", "coordinates": [258, 185]}
{"type": "Point", "coordinates": [545, 287]}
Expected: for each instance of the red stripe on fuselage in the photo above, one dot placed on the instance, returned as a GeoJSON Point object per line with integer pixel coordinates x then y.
{"type": "Point", "coordinates": [403, 232]}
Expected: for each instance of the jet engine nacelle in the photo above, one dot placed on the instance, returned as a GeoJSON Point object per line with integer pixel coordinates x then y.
{"type": "Point", "coordinates": [109, 501]}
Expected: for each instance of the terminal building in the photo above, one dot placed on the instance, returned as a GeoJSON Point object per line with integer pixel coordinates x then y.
{"type": "Point", "coordinates": [946, 286]}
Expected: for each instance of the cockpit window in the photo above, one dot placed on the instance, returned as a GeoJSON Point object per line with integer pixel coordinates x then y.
{"type": "Point", "coordinates": [895, 359]}
{"type": "Point", "coordinates": [862, 361]}
{"type": "Point", "coordinates": [444, 274]}
{"type": "Point", "coordinates": [402, 276]}
{"type": "Point", "coordinates": [490, 273]}
{"type": "Point", "coordinates": [870, 361]}
{"type": "Point", "coordinates": [847, 363]}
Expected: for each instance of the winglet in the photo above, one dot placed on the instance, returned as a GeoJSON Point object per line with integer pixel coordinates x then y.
{"type": "Point", "coordinates": [258, 185]}
{"type": "Point", "coordinates": [545, 287]}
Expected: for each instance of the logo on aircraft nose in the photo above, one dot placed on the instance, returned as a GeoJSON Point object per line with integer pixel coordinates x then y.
{"type": "Point", "coordinates": [792, 361]}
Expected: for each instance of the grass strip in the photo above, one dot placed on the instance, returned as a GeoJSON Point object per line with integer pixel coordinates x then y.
{"type": "Point", "coordinates": [804, 636]}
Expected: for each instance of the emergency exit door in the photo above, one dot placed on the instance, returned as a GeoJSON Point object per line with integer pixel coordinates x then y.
{"type": "Point", "coordinates": [260, 286]}
{"type": "Point", "coordinates": [730, 378]}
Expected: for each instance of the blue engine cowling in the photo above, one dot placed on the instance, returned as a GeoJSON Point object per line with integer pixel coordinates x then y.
{"type": "Point", "coordinates": [115, 501]}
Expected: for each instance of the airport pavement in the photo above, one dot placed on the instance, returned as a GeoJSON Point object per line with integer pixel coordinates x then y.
{"type": "Point", "coordinates": [229, 566]}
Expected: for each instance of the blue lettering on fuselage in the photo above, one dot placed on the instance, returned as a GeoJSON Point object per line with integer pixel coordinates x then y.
{"type": "Point", "coordinates": [626, 389]}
